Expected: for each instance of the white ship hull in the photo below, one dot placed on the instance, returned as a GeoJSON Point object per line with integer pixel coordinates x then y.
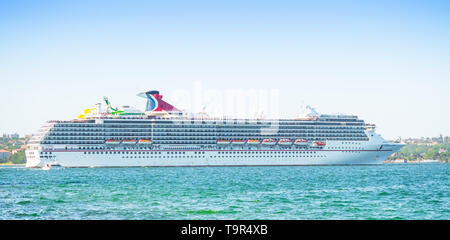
{"type": "Point", "coordinates": [236, 157]}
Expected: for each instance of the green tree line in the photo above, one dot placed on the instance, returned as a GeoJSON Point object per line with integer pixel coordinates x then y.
{"type": "Point", "coordinates": [16, 158]}
{"type": "Point", "coordinates": [417, 152]}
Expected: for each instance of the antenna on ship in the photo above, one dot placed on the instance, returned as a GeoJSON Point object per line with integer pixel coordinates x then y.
{"type": "Point", "coordinates": [261, 115]}
{"type": "Point", "coordinates": [98, 106]}
{"type": "Point", "coordinates": [255, 115]}
{"type": "Point", "coordinates": [203, 113]}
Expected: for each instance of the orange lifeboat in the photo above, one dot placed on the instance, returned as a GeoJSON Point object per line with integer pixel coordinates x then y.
{"type": "Point", "coordinates": [145, 141]}
{"type": "Point", "coordinates": [321, 144]}
{"type": "Point", "coordinates": [222, 142]}
{"type": "Point", "coordinates": [252, 141]}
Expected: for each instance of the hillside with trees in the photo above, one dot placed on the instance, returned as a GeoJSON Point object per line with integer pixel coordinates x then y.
{"type": "Point", "coordinates": [16, 146]}
{"type": "Point", "coordinates": [424, 149]}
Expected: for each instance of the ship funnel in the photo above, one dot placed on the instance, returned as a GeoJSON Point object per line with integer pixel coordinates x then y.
{"type": "Point", "coordinates": [155, 102]}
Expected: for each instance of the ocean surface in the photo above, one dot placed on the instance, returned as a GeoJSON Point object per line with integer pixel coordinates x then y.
{"type": "Point", "coordinates": [388, 191]}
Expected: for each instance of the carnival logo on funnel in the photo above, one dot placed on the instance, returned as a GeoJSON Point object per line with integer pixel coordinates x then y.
{"type": "Point", "coordinates": [155, 102]}
{"type": "Point", "coordinates": [152, 103]}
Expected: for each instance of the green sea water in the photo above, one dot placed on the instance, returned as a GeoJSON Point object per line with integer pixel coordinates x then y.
{"type": "Point", "coordinates": [388, 191]}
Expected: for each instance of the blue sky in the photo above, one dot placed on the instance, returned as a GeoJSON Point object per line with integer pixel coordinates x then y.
{"type": "Point", "coordinates": [385, 61]}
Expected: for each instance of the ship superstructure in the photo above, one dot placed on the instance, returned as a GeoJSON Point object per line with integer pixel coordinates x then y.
{"type": "Point", "coordinates": [165, 136]}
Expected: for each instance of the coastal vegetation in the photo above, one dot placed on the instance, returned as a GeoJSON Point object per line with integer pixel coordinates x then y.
{"type": "Point", "coordinates": [424, 149]}
{"type": "Point", "coordinates": [16, 146]}
{"type": "Point", "coordinates": [18, 158]}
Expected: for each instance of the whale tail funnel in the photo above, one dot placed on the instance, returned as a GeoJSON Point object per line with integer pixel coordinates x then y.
{"type": "Point", "coordinates": [155, 102]}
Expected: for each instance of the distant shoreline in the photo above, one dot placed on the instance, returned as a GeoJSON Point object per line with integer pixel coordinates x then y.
{"type": "Point", "coordinates": [414, 161]}
{"type": "Point", "coordinates": [11, 164]}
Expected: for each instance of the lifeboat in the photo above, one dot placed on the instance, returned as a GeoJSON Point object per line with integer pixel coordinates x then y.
{"type": "Point", "coordinates": [238, 141]}
{"type": "Point", "coordinates": [321, 144]}
{"type": "Point", "coordinates": [112, 141]}
{"type": "Point", "coordinates": [285, 141]}
{"type": "Point", "coordinates": [300, 142]}
{"type": "Point", "coordinates": [129, 141]}
{"type": "Point", "coordinates": [269, 142]}
{"type": "Point", "coordinates": [222, 142]}
{"type": "Point", "coordinates": [252, 141]}
{"type": "Point", "coordinates": [145, 141]}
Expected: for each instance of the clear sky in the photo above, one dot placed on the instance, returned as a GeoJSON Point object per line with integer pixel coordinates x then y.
{"type": "Point", "coordinates": [386, 61]}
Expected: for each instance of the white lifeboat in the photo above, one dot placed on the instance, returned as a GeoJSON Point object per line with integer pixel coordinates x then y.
{"type": "Point", "coordinates": [112, 141]}
{"type": "Point", "coordinates": [129, 141]}
{"type": "Point", "coordinates": [301, 142]}
{"type": "Point", "coordinates": [285, 141]}
{"type": "Point", "coordinates": [269, 141]}
{"type": "Point", "coordinates": [238, 142]}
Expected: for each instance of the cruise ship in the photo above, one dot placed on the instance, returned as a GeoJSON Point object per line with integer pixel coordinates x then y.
{"type": "Point", "coordinates": [162, 135]}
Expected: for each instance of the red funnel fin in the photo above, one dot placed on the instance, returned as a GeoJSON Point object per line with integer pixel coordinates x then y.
{"type": "Point", "coordinates": [163, 105]}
